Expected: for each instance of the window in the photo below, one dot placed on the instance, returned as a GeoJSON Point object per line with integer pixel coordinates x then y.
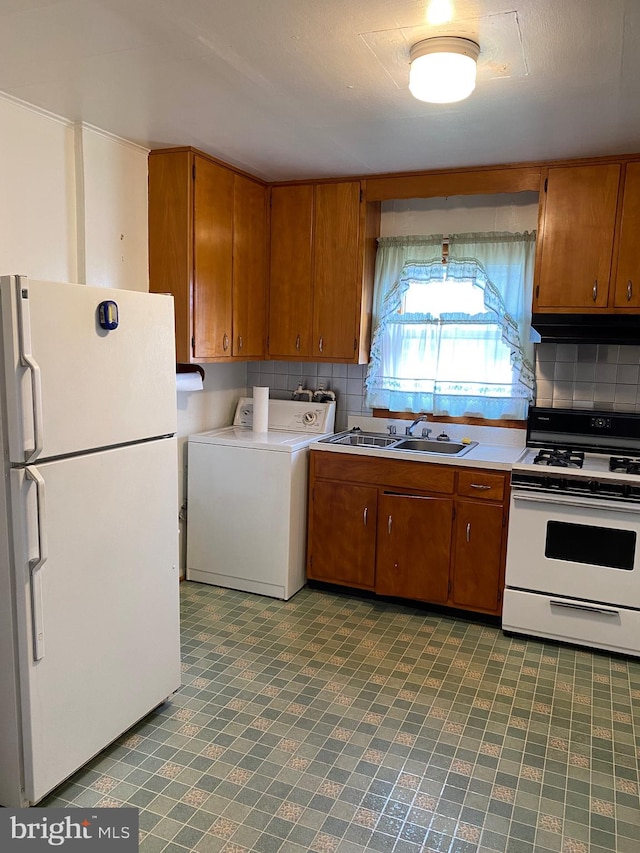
{"type": "Point", "coordinates": [448, 338]}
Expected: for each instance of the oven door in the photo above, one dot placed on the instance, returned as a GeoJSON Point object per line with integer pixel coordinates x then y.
{"type": "Point", "coordinates": [584, 548]}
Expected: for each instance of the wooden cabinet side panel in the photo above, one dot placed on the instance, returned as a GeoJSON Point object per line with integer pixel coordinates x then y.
{"type": "Point", "coordinates": [414, 544]}
{"type": "Point", "coordinates": [477, 556]}
{"type": "Point", "coordinates": [249, 267]}
{"type": "Point", "coordinates": [290, 279]}
{"type": "Point", "coordinates": [213, 234]}
{"type": "Point", "coordinates": [170, 239]}
{"type": "Point", "coordinates": [580, 212]}
{"type": "Point", "coordinates": [370, 228]}
{"type": "Point", "coordinates": [337, 279]}
{"type": "Point", "coordinates": [343, 534]}
{"type": "Point", "coordinates": [627, 292]}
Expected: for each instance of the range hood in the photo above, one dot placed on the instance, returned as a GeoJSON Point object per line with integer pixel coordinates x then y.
{"type": "Point", "coordinates": [586, 328]}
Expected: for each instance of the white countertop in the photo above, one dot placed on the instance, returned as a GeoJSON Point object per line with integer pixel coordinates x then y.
{"type": "Point", "coordinates": [497, 447]}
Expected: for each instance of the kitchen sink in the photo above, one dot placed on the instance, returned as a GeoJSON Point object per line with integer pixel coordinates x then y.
{"type": "Point", "coordinates": [362, 439]}
{"type": "Point", "coordinates": [357, 438]}
{"type": "Point", "coordinates": [426, 445]}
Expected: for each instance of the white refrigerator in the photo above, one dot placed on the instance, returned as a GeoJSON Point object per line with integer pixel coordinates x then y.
{"type": "Point", "coordinates": [89, 609]}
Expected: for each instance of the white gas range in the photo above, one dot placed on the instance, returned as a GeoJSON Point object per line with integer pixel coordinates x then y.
{"type": "Point", "coordinates": [573, 553]}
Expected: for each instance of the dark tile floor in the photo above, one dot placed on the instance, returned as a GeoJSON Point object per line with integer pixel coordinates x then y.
{"type": "Point", "coordinates": [329, 723]}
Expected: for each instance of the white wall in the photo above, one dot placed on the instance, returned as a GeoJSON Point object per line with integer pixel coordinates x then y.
{"type": "Point", "coordinates": [460, 214]}
{"type": "Point", "coordinates": [203, 410]}
{"type": "Point", "coordinates": [37, 212]}
{"type": "Point", "coordinates": [74, 208]}
{"type": "Point", "coordinates": [112, 210]}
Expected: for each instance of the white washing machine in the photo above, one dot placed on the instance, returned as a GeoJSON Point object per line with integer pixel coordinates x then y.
{"type": "Point", "coordinates": [247, 498]}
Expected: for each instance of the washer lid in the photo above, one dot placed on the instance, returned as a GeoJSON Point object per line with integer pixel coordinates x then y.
{"type": "Point", "coordinates": [237, 436]}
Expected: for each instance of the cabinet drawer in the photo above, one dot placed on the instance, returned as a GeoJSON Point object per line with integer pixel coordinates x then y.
{"type": "Point", "coordinates": [481, 484]}
{"type": "Point", "coordinates": [389, 473]}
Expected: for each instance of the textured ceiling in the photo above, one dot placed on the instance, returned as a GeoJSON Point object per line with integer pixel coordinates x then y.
{"type": "Point", "coordinates": [310, 88]}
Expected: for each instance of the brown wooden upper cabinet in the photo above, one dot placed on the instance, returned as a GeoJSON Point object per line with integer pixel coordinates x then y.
{"type": "Point", "coordinates": [588, 260]}
{"type": "Point", "coordinates": [208, 247]}
{"type": "Point", "coordinates": [321, 272]}
{"type": "Point", "coordinates": [627, 286]}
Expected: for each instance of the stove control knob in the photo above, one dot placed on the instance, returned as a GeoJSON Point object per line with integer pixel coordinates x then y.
{"type": "Point", "coordinates": [593, 485]}
{"type": "Point", "coordinates": [309, 418]}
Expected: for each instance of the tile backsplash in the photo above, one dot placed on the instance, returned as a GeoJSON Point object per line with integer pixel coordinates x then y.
{"type": "Point", "coordinates": [587, 376]}
{"type": "Point", "coordinates": [282, 378]}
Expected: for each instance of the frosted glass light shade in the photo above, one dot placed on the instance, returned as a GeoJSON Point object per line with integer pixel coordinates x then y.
{"type": "Point", "coordinates": [443, 70]}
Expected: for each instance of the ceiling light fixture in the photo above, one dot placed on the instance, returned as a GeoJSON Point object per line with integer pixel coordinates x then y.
{"type": "Point", "coordinates": [443, 69]}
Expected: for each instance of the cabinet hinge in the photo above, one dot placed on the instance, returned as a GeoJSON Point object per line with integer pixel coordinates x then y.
{"type": "Point", "coordinates": [546, 184]}
{"type": "Point", "coordinates": [193, 343]}
{"type": "Point", "coordinates": [355, 344]}
{"type": "Point", "coordinates": [361, 194]}
{"type": "Point", "coordinates": [453, 512]}
{"type": "Point", "coordinates": [193, 171]}
{"type": "Point", "coordinates": [537, 291]}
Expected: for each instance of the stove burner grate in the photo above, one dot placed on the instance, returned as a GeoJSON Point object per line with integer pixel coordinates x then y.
{"type": "Point", "coordinates": [625, 464]}
{"type": "Point", "coordinates": [560, 458]}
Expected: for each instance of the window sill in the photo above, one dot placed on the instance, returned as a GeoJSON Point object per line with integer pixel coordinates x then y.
{"type": "Point", "coordinates": [409, 416]}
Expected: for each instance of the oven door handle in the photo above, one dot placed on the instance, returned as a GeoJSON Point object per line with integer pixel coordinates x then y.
{"type": "Point", "coordinates": [604, 504]}
{"type": "Point", "coordinates": [602, 611]}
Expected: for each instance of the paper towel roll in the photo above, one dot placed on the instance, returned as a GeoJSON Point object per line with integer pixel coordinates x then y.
{"type": "Point", "coordinates": [188, 382]}
{"type": "Point", "coordinates": [260, 409]}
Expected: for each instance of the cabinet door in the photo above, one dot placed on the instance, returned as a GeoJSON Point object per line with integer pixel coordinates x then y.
{"type": "Point", "coordinates": [290, 299]}
{"type": "Point", "coordinates": [249, 267]}
{"type": "Point", "coordinates": [337, 281]}
{"type": "Point", "coordinates": [477, 556]}
{"type": "Point", "coordinates": [212, 248]}
{"type": "Point", "coordinates": [577, 242]}
{"type": "Point", "coordinates": [627, 294]}
{"type": "Point", "coordinates": [414, 541]}
{"type": "Point", "coordinates": [343, 534]}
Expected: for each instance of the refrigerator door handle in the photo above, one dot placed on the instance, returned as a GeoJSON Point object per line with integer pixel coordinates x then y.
{"type": "Point", "coordinates": [27, 359]}
{"type": "Point", "coordinates": [36, 563]}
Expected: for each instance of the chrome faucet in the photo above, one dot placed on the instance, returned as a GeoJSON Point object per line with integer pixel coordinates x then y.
{"type": "Point", "coordinates": [409, 430]}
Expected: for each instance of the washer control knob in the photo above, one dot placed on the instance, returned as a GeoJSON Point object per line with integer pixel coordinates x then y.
{"type": "Point", "coordinates": [309, 418]}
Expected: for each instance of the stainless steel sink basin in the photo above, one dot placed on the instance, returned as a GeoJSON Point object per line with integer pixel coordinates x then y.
{"type": "Point", "coordinates": [362, 439]}
{"type": "Point", "coordinates": [425, 445]}
{"type": "Point", "coordinates": [394, 442]}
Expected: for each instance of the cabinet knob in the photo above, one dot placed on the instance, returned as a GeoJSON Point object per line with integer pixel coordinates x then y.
{"type": "Point", "coordinates": [469, 532]}
{"type": "Point", "coordinates": [389, 524]}
{"type": "Point", "coordinates": [364, 515]}
{"type": "Point", "coordinates": [321, 343]}
{"type": "Point", "coordinates": [225, 342]}
{"type": "Point", "coordinates": [481, 486]}
{"type": "Point", "coordinates": [298, 342]}
{"type": "Point", "coordinates": [239, 342]}
{"type": "Point", "coordinates": [594, 290]}
{"type": "Point", "coordinates": [629, 290]}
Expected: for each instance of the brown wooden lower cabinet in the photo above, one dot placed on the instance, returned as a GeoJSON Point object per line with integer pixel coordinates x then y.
{"type": "Point", "coordinates": [408, 530]}
{"type": "Point", "coordinates": [342, 534]}
{"type": "Point", "coordinates": [477, 556]}
{"type": "Point", "coordinates": [414, 546]}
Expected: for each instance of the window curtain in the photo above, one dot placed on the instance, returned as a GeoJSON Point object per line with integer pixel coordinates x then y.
{"type": "Point", "coordinates": [454, 364]}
